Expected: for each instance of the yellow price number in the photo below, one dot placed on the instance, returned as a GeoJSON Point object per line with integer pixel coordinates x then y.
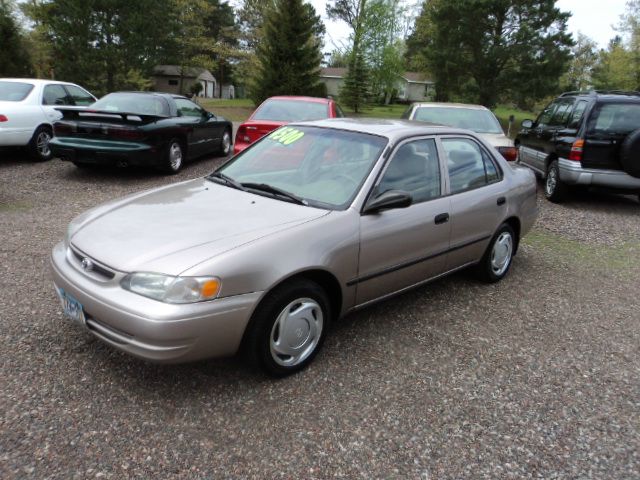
{"type": "Point", "coordinates": [286, 135]}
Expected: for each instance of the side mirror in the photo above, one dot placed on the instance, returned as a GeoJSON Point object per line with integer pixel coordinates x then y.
{"type": "Point", "coordinates": [527, 124]}
{"type": "Point", "coordinates": [388, 200]}
{"type": "Point", "coordinates": [209, 115]}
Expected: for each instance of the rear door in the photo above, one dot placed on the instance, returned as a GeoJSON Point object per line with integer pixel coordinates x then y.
{"type": "Point", "coordinates": [405, 246]}
{"type": "Point", "coordinates": [54, 95]}
{"type": "Point", "coordinates": [532, 145]}
{"type": "Point", "coordinates": [478, 198]}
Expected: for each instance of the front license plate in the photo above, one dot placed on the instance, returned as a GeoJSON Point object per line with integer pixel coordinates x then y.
{"type": "Point", "coordinates": [72, 308]}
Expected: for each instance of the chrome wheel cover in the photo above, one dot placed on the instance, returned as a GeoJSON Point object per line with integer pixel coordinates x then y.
{"type": "Point", "coordinates": [552, 181]}
{"type": "Point", "coordinates": [226, 143]}
{"type": "Point", "coordinates": [42, 144]}
{"type": "Point", "coordinates": [501, 253]}
{"type": "Point", "coordinates": [175, 156]}
{"type": "Point", "coordinates": [296, 332]}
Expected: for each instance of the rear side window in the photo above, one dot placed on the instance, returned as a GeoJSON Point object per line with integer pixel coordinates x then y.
{"type": "Point", "coordinates": [14, 91]}
{"type": "Point", "coordinates": [562, 113]}
{"type": "Point", "coordinates": [55, 95]}
{"type": "Point", "coordinates": [579, 109]}
{"type": "Point", "coordinates": [339, 112]}
{"type": "Point", "coordinates": [79, 96]}
{"type": "Point", "coordinates": [619, 118]}
{"type": "Point", "coordinates": [469, 166]}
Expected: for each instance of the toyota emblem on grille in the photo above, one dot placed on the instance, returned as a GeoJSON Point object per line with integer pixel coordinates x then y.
{"type": "Point", "coordinates": [87, 264]}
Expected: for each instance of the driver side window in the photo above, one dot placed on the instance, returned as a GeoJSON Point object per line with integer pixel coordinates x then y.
{"type": "Point", "coordinates": [414, 168]}
{"type": "Point", "coordinates": [188, 109]}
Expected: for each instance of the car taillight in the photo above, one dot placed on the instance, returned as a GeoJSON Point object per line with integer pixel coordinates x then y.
{"type": "Point", "coordinates": [509, 153]}
{"type": "Point", "coordinates": [62, 129]}
{"type": "Point", "coordinates": [241, 136]}
{"type": "Point", "coordinates": [3, 118]}
{"type": "Point", "coordinates": [125, 134]}
{"type": "Point", "coordinates": [576, 151]}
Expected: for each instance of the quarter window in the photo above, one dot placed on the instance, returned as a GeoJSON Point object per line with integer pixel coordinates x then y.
{"type": "Point", "coordinates": [469, 166]}
{"type": "Point", "coordinates": [414, 169]}
{"type": "Point", "coordinates": [55, 95]}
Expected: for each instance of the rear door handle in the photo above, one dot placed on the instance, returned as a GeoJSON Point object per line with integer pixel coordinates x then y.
{"type": "Point", "coordinates": [442, 218]}
{"type": "Point", "coordinates": [501, 201]}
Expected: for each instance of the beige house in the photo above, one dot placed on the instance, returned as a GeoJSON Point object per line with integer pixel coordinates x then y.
{"type": "Point", "coordinates": [166, 78]}
{"type": "Point", "coordinates": [411, 86]}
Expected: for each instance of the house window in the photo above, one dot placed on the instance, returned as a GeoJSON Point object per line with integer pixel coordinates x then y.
{"type": "Point", "coordinates": [173, 82]}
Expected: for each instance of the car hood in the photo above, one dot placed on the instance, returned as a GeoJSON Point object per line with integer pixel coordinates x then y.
{"type": "Point", "coordinates": [169, 230]}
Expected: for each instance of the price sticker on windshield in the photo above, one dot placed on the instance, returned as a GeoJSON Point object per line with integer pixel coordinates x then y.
{"type": "Point", "coordinates": [286, 135]}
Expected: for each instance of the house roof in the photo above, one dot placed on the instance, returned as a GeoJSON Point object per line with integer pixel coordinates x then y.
{"type": "Point", "coordinates": [410, 77]}
{"type": "Point", "coordinates": [416, 77]}
{"type": "Point", "coordinates": [332, 72]}
{"type": "Point", "coordinates": [189, 72]}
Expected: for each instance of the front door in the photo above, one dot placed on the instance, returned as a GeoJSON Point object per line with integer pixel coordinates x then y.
{"type": "Point", "coordinates": [405, 246]}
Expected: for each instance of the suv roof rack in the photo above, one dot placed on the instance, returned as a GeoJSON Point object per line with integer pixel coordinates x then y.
{"type": "Point", "coordinates": [601, 92]}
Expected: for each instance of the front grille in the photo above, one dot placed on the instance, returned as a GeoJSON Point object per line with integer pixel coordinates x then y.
{"type": "Point", "coordinates": [100, 270]}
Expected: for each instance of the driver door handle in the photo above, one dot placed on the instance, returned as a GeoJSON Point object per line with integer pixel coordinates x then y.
{"type": "Point", "coordinates": [442, 218]}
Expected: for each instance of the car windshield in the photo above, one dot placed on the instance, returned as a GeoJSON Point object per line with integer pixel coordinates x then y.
{"type": "Point", "coordinates": [291, 111]}
{"type": "Point", "coordinates": [324, 167]}
{"type": "Point", "coordinates": [479, 121]}
{"type": "Point", "coordinates": [615, 118]}
{"type": "Point", "coordinates": [140, 103]}
{"type": "Point", "coordinates": [14, 91]}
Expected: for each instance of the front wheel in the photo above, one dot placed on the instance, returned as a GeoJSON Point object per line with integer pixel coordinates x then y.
{"type": "Point", "coordinates": [288, 328]}
{"type": "Point", "coordinates": [39, 145]}
{"type": "Point", "coordinates": [554, 190]}
{"type": "Point", "coordinates": [497, 259]}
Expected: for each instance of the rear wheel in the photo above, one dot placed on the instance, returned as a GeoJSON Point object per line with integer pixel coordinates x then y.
{"type": "Point", "coordinates": [497, 259]}
{"type": "Point", "coordinates": [554, 190]}
{"type": "Point", "coordinates": [39, 145]}
{"type": "Point", "coordinates": [288, 328]}
{"type": "Point", "coordinates": [174, 157]}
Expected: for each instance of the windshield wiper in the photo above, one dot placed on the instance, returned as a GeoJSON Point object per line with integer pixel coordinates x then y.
{"type": "Point", "coordinates": [226, 179]}
{"type": "Point", "coordinates": [264, 187]}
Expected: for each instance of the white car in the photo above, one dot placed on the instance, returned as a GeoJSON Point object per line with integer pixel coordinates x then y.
{"type": "Point", "coordinates": [28, 111]}
{"type": "Point", "coordinates": [463, 115]}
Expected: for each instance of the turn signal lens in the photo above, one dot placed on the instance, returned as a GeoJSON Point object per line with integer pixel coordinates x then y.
{"type": "Point", "coordinates": [576, 150]}
{"type": "Point", "coordinates": [210, 288]}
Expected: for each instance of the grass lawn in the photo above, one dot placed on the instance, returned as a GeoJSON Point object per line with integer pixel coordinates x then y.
{"type": "Point", "coordinates": [503, 112]}
{"type": "Point", "coordinates": [236, 110]}
{"type": "Point", "coordinates": [379, 111]}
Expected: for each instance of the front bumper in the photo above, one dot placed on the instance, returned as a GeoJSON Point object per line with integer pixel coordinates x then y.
{"type": "Point", "coordinates": [573, 173]}
{"type": "Point", "coordinates": [102, 152]}
{"type": "Point", "coordinates": [150, 329]}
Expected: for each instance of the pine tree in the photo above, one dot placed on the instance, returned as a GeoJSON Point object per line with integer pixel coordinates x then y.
{"type": "Point", "coordinates": [289, 52]}
{"type": "Point", "coordinates": [14, 60]}
{"type": "Point", "coordinates": [355, 91]}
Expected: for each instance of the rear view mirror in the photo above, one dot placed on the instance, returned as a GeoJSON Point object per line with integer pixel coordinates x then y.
{"type": "Point", "coordinates": [527, 124]}
{"type": "Point", "coordinates": [388, 200]}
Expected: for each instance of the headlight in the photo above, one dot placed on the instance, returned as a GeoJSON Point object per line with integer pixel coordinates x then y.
{"type": "Point", "coordinates": [170, 289]}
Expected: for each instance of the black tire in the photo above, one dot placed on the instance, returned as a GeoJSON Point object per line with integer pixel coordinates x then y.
{"type": "Point", "coordinates": [493, 267]}
{"type": "Point", "coordinates": [630, 154]}
{"type": "Point", "coordinates": [39, 148]}
{"type": "Point", "coordinates": [225, 144]}
{"type": "Point", "coordinates": [554, 190]}
{"type": "Point", "coordinates": [264, 335]}
{"type": "Point", "coordinates": [173, 157]}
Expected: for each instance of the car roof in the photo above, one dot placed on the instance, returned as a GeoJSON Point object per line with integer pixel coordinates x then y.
{"type": "Point", "coordinates": [35, 81]}
{"type": "Point", "coordinates": [451, 105]}
{"type": "Point", "coordinates": [389, 128]}
{"type": "Point", "coordinates": [300, 98]}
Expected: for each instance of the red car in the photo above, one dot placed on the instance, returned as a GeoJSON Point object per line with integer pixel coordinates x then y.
{"type": "Point", "coordinates": [277, 111]}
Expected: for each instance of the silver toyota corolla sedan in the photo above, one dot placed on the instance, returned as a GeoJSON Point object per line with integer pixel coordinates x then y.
{"type": "Point", "coordinates": [312, 222]}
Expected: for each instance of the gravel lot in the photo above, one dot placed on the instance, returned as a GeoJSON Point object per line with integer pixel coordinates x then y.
{"type": "Point", "coordinates": [535, 377]}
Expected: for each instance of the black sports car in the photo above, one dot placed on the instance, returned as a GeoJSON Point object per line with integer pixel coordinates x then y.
{"type": "Point", "coordinates": [139, 128]}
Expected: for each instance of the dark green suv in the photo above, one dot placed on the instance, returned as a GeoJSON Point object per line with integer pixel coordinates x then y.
{"type": "Point", "coordinates": [585, 138]}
